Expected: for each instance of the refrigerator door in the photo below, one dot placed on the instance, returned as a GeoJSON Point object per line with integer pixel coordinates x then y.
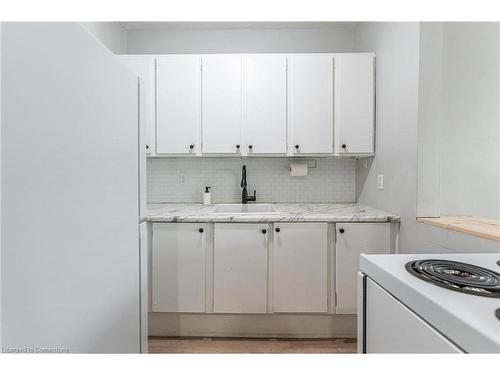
{"type": "Point", "coordinates": [70, 239]}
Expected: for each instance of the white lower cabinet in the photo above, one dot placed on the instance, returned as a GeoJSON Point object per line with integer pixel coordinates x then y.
{"type": "Point", "coordinates": [261, 267]}
{"type": "Point", "coordinates": [178, 267]}
{"type": "Point", "coordinates": [352, 240]}
{"type": "Point", "coordinates": [240, 268]}
{"type": "Point", "coordinates": [300, 267]}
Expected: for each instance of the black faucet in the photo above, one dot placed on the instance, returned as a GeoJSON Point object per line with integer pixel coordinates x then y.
{"type": "Point", "coordinates": [245, 198]}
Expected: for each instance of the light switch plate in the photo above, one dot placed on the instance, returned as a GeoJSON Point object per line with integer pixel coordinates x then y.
{"type": "Point", "coordinates": [380, 182]}
{"type": "Point", "coordinates": [182, 179]}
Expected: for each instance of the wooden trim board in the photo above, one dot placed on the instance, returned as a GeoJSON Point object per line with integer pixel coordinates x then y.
{"type": "Point", "coordinates": [474, 225]}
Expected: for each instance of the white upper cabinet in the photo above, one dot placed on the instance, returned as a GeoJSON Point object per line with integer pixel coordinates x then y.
{"type": "Point", "coordinates": [143, 67]}
{"type": "Point", "coordinates": [310, 104]}
{"type": "Point", "coordinates": [258, 104]}
{"type": "Point", "coordinates": [222, 104]}
{"type": "Point", "coordinates": [178, 80]}
{"type": "Point", "coordinates": [354, 104]}
{"type": "Point", "coordinates": [265, 104]}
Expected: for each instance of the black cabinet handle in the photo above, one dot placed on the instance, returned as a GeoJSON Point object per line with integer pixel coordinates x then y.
{"type": "Point", "coordinates": [277, 230]}
{"type": "Point", "coordinates": [264, 231]}
{"type": "Point", "coordinates": [341, 230]}
{"type": "Point", "coordinates": [238, 147]}
{"type": "Point", "coordinates": [250, 147]}
{"type": "Point", "coordinates": [344, 146]}
{"type": "Point", "coordinates": [296, 147]}
{"type": "Point", "coordinates": [191, 146]}
{"type": "Point", "coordinates": [200, 230]}
{"type": "Point", "coordinates": [147, 147]}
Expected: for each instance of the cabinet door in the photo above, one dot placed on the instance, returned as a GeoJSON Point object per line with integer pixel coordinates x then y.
{"type": "Point", "coordinates": [222, 104]}
{"type": "Point", "coordinates": [143, 66]}
{"type": "Point", "coordinates": [310, 97]}
{"type": "Point", "coordinates": [352, 240]}
{"type": "Point", "coordinates": [240, 268]}
{"type": "Point", "coordinates": [179, 253]}
{"type": "Point", "coordinates": [178, 80]}
{"type": "Point", "coordinates": [265, 104]}
{"type": "Point", "coordinates": [354, 104]}
{"type": "Point", "coordinates": [300, 267]}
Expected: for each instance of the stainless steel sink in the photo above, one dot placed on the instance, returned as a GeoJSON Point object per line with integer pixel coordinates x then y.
{"type": "Point", "coordinates": [245, 209]}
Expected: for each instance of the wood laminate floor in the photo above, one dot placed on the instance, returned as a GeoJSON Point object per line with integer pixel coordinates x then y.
{"type": "Point", "coordinates": [249, 345]}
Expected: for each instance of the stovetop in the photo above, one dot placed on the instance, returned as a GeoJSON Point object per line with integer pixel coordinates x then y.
{"type": "Point", "coordinates": [462, 307]}
{"type": "Point", "coordinates": [457, 276]}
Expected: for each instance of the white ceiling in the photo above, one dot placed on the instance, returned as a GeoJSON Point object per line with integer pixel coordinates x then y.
{"type": "Point", "coordinates": [232, 25]}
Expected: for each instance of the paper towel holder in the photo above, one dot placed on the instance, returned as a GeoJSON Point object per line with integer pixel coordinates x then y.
{"type": "Point", "coordinates": [311, 163]}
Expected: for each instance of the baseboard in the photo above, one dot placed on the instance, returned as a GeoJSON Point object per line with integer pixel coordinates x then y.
{"type": "Point", "coordinates": [253, 325]}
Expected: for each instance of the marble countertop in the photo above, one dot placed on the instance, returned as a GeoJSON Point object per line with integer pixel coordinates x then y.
{"type": "Point", "coordinates": [285, 212]}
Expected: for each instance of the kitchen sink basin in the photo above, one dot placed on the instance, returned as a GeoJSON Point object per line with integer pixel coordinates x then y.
{"type": "Point", "coordinates": [245, 209]}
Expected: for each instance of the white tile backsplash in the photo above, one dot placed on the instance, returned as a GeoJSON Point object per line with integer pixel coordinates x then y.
{"type": "Point", "coordinates": [333, 180]}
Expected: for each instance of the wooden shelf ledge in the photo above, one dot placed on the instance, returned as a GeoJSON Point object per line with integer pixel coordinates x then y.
{"type": "Point", "coordinates": [476, 226]}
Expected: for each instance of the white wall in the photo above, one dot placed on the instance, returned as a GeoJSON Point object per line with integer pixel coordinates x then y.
{"type": "Point", "coordinates": [267, 40]}
{"type": "Point", "coordinates": [397, 46]}
{"type": "Point", "coordinates": [111, 34]}
{"type": "Point", "coordinates": [397, 49]}
{"type": "Point", "coordinates": [470, 126]}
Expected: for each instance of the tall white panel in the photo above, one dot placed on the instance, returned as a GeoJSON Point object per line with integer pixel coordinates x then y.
{"type": "Point", "coordinates": [143, 66]}
{"type": "Point", "coordinates": [222, 104]}
{"type": "Point", "coordinates": [300, 267]}
{"type": "Point", "coordinates": [310, 104]}
{"type": "Point", "coordinates": [179, 254]}
{"type": "Point", "coordinates": [240, 268]}
{"type": "Point", "coordinates": [354, 103]}
{"type": "Point", "coordinates": [144, 262]}
{"type": "Point", "coordinates": [70, 237]}
{"type": "Point", "coordinates": [265, 104]}
{"type": "Point", "coordinates": [178, 80]}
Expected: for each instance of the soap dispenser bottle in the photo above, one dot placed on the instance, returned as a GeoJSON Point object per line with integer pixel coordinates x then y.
{"type": "Point", "coordinates": [207, 195]}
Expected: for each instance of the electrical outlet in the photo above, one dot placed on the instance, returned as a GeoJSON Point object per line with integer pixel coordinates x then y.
{"type": "Point", "coordinates": [380, 182]}
{"type": "Point", "coordinates": [183, 179]}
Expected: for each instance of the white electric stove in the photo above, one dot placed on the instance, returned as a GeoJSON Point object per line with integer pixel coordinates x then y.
{"type": "Point", "coordinates": [429, 303]}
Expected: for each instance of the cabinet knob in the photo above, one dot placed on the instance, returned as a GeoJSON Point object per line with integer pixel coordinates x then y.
{"type": "Point", "coordinates": [147, 147]}
{"type": "Point", "coordinates": [238, 147]}
{"type": "Point", "coordinates": [250, 147]}
{"type": "Point", "coordinates": [296, 147]}
{"type": "Point", "coordinates": [341, 230]}
{"type": "Point", "coordinates": [277, 230]}
{"type": "Point", "coordinates": [191, 146]}
{"type": "Point", "coordinates": [264, 231]}
{"type": "Point", "coordinates": [344, 146]}
{"type": "Point", "coordinates": [200, 230]}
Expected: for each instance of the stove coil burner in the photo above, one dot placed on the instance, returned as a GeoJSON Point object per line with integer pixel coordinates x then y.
{"type": "Point", "coordinates": [461, 277]}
